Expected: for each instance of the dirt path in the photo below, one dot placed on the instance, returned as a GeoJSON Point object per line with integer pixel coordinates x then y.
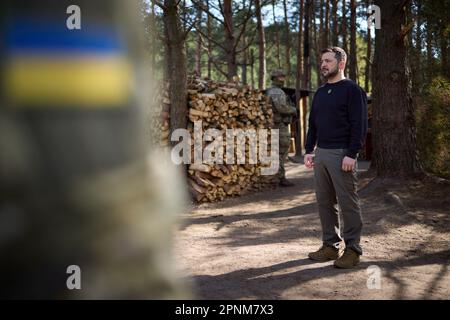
{"type": "Point", "coordinates": [255, 247]}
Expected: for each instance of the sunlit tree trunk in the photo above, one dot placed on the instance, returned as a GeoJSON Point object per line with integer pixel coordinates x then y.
{"type": "Point", "coordinates": [394, 133]}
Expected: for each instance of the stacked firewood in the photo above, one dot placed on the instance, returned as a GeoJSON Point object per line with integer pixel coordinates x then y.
{"type": "Point", "coordinates": [224, 105]}
{"type": "Point", "coordinates": [209, 183]}
{"type": "Point", "coordinates": [228, 105]}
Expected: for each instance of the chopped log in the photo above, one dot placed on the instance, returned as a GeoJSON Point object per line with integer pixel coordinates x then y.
{"type": "Point", "coordinates": [196, 187]}
{"type": "Point", "coordinates": [200, 167]}
{"type": "Point", "coordinates": [221, 105]}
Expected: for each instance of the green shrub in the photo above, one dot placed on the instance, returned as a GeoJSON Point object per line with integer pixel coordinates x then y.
{"type": "Point", "coordinates": [433, 127]}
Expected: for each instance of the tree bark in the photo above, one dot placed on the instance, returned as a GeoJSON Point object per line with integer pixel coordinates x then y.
{"type": "Point", "coordinates": [394, 133]}
{"type": "Point", "coordinates": [368, 59]}
{"type": "Point", "coordinates": [287, 44]}
{"type": "Point", "coordinates": [198, 53]}
{"type": "Point", "coordinates": [344, 30]}
{"type": "Point", "coordinates": [417, 74]}
{"type": "Point", "coordinates": [353, 54]}
{"type": "Point", "coordinates": [277, 36]}
{"type": "Point", "coordinates": [252, 67]}
{"type": "Point", "coordinates": [184, 26]}
{"type": "Point", "coordinates": [301, 127]}
{"type": "Point", "coordinates": [261, 47]}
{"type": "Point", "coordinates": [230, 40]}
{"type": "Point", "coordinates": [326, 28]}
{"type": "Point", "coordinates": [316, 39]}
{"type": "Point", "coordinates": [306, 57]}
{"type": "Point", "coordinates": [334, 36]}
{"type": "Point", "coordinates": [244, 62]}
{"type": "Point", "coordinates": [209, 33]}
{"type": "Point", "coordinates": [175, 65]}
{"type": "Point", "coordinates": [306, 47]}
{"type": "Point", "coordinates": [321, 23]}
{"type": "Point", "coordinates": [299, 74]}
{"type": "Point", "coordinates": [368, 55]}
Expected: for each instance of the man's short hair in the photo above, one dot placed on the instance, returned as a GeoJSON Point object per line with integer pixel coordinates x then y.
{"type": "Point", "coordinates": [339, 53]}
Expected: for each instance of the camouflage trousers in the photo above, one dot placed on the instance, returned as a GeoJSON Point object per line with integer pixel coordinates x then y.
{"type": "Point", "coordinates": [285, 141]}
{"type": "Point", "coordinates": [70, 197]}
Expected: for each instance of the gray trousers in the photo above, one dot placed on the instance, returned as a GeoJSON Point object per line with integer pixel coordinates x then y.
{"type": "Point", "coordinates": [334, 186]}
{"type": "Point", "coordinates": [285, 143]}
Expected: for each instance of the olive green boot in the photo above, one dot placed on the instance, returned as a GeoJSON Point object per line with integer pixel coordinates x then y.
{"type": "Point", "coordinates": [348, 260]}
{"type": "Point", "coordinates": [325, 253]}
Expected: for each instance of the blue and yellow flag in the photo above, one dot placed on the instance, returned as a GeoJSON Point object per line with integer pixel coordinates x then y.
{"type": "Point", "coordinates": [49, 65]}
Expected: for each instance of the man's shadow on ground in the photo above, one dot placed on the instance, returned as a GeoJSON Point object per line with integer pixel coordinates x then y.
{"type": "Point", "coordinates": [262, 283]}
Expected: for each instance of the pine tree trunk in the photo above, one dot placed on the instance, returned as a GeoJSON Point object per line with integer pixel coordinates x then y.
{"type": "Point", "coordinates": [277, 36]}
{"type": "Point", "coordinates": [261, 47]}
{"type": "Point", "coordinates": [326, 28]}
{"type": "Point", "coordinates": [184, 26]}
{"type": "Point", "coordinates": [368, 54]}
{"type": "Point", "coordinates": [230, 40]}
{"type": "Point", "coordinates": [198, 53]}
{"type": "Point", "coordinates": [417, 74]}
{"type": "Point", "coordinates": [344, 31]}
{"type": "Point", "coordinates": [368, 59]}
{"type": "Point", "coordinates": [209, 32]}
{"type": "Point", "coordinates": [299, 74]}
{"type": "Point", "coordinates": [394, 134]}
{"type": "Point", "coordinates": [176, 65]}
{"type": "Point", "coordinates": [321, 33]}
{"type": "Point", "coordinates": [252, 67]}
{"type": "Point", "coordinates": [306, 55]}
{"type": "Point", "coordinates": [344, 25]}
{"type": "Point", "coordinates": [306, 47]}
{"type": "Point", "coordinates": [287, 44]}
{"type": "Point", "coordinates": [335, 32]}
{"type": "Point", "coordinates": [299, 141]}
{"type": "Point", "coordinates": [244, 62]}
{"type": "Point", "coordinates": [353, 54]}
{"type": "Point", "coordinates": [316, 40]}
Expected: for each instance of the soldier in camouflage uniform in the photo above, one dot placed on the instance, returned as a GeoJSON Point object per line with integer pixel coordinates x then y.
{"type": "Point", "coordinates": [283, 112]}
{"type": "Point", "coordinates": [78, 186]}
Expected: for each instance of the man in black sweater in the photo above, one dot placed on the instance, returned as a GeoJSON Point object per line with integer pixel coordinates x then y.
{"type": "Point", "coordinates": [337, 129]}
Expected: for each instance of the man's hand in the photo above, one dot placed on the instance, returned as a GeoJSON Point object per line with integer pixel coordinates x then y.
{"type": "Point", "coordinates": [309, 160]}
{"type": "Point", "coordinates": [348, 164]}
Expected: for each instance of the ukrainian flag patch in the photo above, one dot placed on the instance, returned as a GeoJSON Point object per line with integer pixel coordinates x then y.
{"type": "Point", "coordinates": [50, 65]}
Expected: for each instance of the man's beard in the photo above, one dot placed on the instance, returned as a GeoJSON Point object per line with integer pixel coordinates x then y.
{"type": "Point", "coordinates": [330, 73]}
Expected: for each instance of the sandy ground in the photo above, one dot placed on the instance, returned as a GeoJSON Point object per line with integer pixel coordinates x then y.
{"type": "Point", "coordinates": [256, 246]}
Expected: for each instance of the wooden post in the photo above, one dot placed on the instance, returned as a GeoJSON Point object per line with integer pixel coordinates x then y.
{"type": "Point", "coordinates": [303, 105]}
{"type": "Point", "coordinates": [298, 130]}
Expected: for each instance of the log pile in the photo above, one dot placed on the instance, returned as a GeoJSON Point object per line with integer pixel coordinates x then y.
{"type": "Point", "coordinates": [208, 183]}
{"type": "Point", "coordinates": [223, 105]}
{"type": "Point", "coordinates": [228, 105]}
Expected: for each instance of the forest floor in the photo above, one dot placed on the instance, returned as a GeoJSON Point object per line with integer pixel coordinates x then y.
{"type": "Point", "coordinates": [256, 246]}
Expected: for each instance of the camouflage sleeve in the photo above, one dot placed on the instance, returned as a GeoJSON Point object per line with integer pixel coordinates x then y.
{"type": "Point", "coordinates": [280, 103]}
{"type": "Point", "coordinates": [292, 106]}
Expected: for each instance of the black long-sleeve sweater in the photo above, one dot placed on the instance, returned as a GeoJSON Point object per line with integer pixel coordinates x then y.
{"type": "Point", "coordinates": [338, 118]}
